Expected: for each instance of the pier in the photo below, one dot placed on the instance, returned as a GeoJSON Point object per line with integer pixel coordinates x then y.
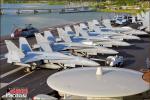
{"type": "Point", "coordinates": [48, 10]}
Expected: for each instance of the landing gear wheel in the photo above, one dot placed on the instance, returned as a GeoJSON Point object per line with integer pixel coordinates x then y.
{"type": "Point", "coordinates": [32, 68]}
{"type": "Point", "coordinates": [65, 67]}
{"type": "Point", "coordinates": [28, 69]}
{"type": "Point", "coordinates": [60, 69]}
{"type": "Point", "coordinates": [119, 64]}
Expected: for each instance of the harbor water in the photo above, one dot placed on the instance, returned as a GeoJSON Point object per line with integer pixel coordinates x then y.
{"type": "Point", "coordinates": [10, 19]}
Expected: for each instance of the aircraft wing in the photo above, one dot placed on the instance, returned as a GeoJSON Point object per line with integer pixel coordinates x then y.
{"type": "Point", "coordinates": [37, 56]}
{"type": "Point", "coordinates": [97, 38]}
{"type": "Point", "coordinates": [56, 57]}
{"type": "Point", "coordinates": [98, 59]}
{"type": "Point", "coordinates": [31, 58]}
{"type": "Point", "coordinates": [74, 46]}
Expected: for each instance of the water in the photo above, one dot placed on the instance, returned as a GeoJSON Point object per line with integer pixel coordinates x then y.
{"type": "Point", "coordinates": [43, 20]}
{"type": "Point", "coordinates": [31, 6]}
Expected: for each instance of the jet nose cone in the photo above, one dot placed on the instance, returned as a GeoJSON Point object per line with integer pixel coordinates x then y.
{"type": "Point", "coordinates": [142, 33]}
{"type": "Point", "coordinates": [132, 37]}
{"type": "Point", "coordinates": [87, 62]}
{"type": "Point", "coordinates": [123, 44]}
{"type": "Point", "coordinates": [110, 51]}
{"type": "Point", "coordinates": [126, 44]}
{"type": "Point", "coordinates": [137, 38]}
{"type": "Point", "coordinates": [92, 63]}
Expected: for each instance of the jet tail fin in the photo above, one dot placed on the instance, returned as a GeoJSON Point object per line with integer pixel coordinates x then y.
{"type": "Point", "coordinates": [91, 25]}
{"type": "Point", "coordinates": [24, 45]}
{"type": "Point", "coordinates": [61, 32]}
{"type": "Point", "coordinates": [96, 22]}
{"type": "Point", "coordinates": [82, 25]}
{"type": "Point", "coordinates": [40, 38]}
{"type": "Point", "coordinates": [14, 53]}
{"type": "Point", "coordinates": [63, 35]}
{"type": "Point", "coordinates": [97, 29]}
{"type": "Point", "coordinates": [44, 44]}
{"type": "Point", "coordinates": [68, 28]}
{"type": "Point", "coordinates": [107, 23]}
{"type": "Point", "coordinates": [48, 35]}
{"type": "Point", "coordinates": [83, 31]}
{"type": "Point", "coordinates": [77, 30]}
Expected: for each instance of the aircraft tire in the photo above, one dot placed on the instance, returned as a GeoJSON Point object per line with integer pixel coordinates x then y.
{"type": "Point", "coordinates": [119, 64]}
{"type": "Point", "coordinates": [28, 69]}
{"type": "Point", "coordinates": [32, 68]}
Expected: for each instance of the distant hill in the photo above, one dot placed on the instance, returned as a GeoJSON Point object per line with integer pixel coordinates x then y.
{"type": "Point", "coordinates": [35, 1]}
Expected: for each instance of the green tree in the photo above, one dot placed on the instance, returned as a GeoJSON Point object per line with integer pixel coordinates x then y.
{"type": "Point", "coordinates": [125, 2]}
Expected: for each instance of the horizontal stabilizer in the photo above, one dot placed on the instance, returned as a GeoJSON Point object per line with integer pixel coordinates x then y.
{"type": "Point", "coordinates": [14, 53]}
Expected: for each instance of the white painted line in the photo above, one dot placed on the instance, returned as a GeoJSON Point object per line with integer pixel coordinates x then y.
{"type": "Point", "coordinates": [12, 71]}
{"type": "Point", "coordinates": [3, 58]}
{"type": "Point", "coordinates": [3, 85]}
{"type": "Point", "coordinates": [19, 78]}
{"type": "Point", "coordinates": [15, 80]}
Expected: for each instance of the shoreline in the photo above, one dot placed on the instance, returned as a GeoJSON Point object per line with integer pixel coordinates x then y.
{"type": "Point", "coordinates": [129, 11]}
{"type": "Point", "coordinates": [50, 3]}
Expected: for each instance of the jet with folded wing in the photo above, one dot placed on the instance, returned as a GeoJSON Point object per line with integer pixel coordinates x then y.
{"type": "Point", "coordinates": [84, 48]}
{"type": "Point", "coordinates": [31, 59]}
{"type": "Point", "coordinates": [103, 31]}
{"type": "Point", "coordinates": [124, 30]}
{"type": "Point", "coordinates": [98, 39]}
